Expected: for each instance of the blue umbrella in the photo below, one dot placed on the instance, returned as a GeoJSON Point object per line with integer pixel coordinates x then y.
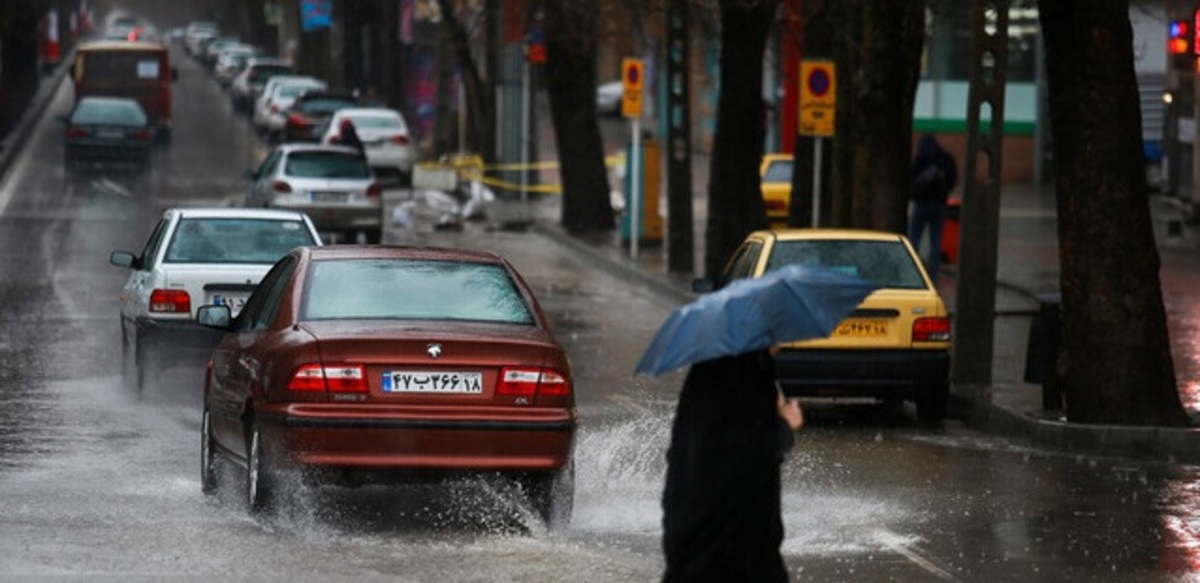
{"type": "Point", "coordinates": [794, 302]}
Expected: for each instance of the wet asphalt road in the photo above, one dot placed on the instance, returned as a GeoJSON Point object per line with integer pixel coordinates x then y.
{"type": "Point", "coordinates": [96, 480]}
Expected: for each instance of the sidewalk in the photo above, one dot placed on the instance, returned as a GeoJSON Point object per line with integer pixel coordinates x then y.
{"type": "Point", "coordinates": [1027, 267]}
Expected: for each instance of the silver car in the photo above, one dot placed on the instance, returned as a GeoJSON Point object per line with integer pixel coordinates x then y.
{"type": "Point", "coordinates": [332, 184]}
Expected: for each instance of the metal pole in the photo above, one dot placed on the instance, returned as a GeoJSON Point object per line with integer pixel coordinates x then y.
{"type": "Point", "coordinates": [635, 185]}
{"type": "Point", "coordinates": [816, 198]}
{"type": "Point", "coordinates": [525, 135]}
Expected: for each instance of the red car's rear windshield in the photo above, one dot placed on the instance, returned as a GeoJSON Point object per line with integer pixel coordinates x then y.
{"type": "Point", "coordinates": [412, 290]}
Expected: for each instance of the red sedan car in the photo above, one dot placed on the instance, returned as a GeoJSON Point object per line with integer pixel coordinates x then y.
{"type": "Point", "coordinates": [382, 361]}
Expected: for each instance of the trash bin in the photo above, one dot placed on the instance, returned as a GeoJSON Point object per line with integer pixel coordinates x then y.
{"type": "Point", "coordinates": [950, 231]}
{"type": "Point", "coordinates": [1041, 353]}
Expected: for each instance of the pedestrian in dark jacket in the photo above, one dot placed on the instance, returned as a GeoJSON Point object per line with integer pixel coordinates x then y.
{"type": "Point", "coordinates": [721, 506]}
{"type": "Point", "coordinates": [348, 135]}
{"type": "Point", "coordinates": [934, 176]}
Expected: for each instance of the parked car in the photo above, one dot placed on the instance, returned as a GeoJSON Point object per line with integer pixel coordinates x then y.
{"type": "Point", "coordinates": [231, 61]}
{"type": "Point", "coordinates": [311, 111]}
{"type": "Point", "coordinates": [196, 257]}
{"type": "Point", "coordinates": [608, 98]}
{"type": "Point", "coordinates": [245, 87]}
{"type": "Point", "coordinates": [384, 136]}
{"type": "Point", "coordinates": [776, 174]}
{"type": "Point", "coordinates": [108, 133]}
{"type": "Point", "coordinates": [214, 48]}
{"type": "Point", "coordinates": [895, 347]}
{"type": "Point", "coordinates": [196, 34]}
{"type": "Point", "coordinates": [383, 362]}
{"type": "Point", "coordinates": [332, 184]}
{"type": "Point", "coordinates": [277, 96]}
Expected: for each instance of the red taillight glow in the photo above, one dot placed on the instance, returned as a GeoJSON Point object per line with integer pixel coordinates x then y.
{"type": "Point", "coordinates": [532, 381]}
{"type": "Point", "coordinates": [375, 189]}
{"type": "Point", "coordinates": [296, 119]}
{"type": "Point", "coordinates": [934, 329]}
{"type": "Point", "coordinates": [170, 301]}
{"type": "Point", "coordinates": [400, 140]}
{"type": "Point", "coordinates": [78, 132]}
{"type": "Point", "coordinates": [342, 378]}
{"type": "Point", "coordinates": [281, 187]}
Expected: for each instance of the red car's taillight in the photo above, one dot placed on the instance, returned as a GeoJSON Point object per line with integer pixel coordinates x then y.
{"type": "Point", "coordinates": [375, 189]}
{"type": "Point", "coordinates": [933, 329]}
{"type": "Point", "coordinates": [78, 132]}
{"type": "Point", "coordinates": [281, 187]}
{"type": "Point", "coordinates": [532, 381]}
{"type": "Point", "coordinates": [343, 378]}
{"type": "Point", "coordinates": [170, 301]}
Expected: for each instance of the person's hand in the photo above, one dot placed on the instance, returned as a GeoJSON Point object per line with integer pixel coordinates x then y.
{"type": "Point", "coordinates": [789, 411]}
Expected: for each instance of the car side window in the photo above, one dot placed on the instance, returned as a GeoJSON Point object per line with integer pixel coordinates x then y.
{"type": "Point", "coordinates": [262, 305]}
{"type": "Point", "coordinates": [153, 244]}
{"type": "Point", "coordinates": [743, 263]}
{"type": "Point", "coordinates": [268, 166]}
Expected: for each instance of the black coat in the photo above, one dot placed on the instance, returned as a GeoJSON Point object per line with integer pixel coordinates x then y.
{"type": "Point", "coordinates": [930, 152]}
{"type": "Point", "coordinates": [721, 505]}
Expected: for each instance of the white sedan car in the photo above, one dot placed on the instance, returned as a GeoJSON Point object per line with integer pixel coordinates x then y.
{"type": "Point", "coordinates": [385, 138]}
{"type": "Point", "coordinates": [196, 257]}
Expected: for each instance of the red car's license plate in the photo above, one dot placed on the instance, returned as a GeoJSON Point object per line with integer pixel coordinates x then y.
{"type": "Point", "coordinates": [432, 382]}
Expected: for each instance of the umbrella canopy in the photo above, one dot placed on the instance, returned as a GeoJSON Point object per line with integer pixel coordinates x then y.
{"type": "Point", "coordinates": [794, 302]}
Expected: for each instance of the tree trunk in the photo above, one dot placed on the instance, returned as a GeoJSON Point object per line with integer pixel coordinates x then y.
{"type": "Point", "coordinates": [571, 84]}
{"type": "Point", "coordinates": [878, 70]}
{"type": "Point", "coordinates": [735, 206]}
{"type": "Point", "coordinates": [1115, 361]}
{"type": "Point", "coordinates": [480, 114]}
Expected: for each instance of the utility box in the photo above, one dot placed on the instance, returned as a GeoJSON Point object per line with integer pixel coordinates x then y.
{"type": "Point", "coordinates": [649, 229]}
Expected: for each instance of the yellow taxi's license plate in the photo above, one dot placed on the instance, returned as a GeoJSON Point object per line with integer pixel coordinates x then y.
{"type": "Point", "coordinates": [856, 328]}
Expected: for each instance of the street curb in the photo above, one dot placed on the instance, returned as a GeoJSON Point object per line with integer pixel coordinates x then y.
{"type": "Point", "coordinates": [1168, 444]}
{"type": "Point", "coordinates": [620, 269]}
{"type": "Point", "coordinates": [10, 146]}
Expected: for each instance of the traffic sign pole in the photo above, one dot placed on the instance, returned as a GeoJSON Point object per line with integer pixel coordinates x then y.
{"type": "Point", "coordinates": [631, 108]}
{"type": "Point", "coordinates": [818, 108]}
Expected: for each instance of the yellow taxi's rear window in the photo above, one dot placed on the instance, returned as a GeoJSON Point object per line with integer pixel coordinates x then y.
{"type": "Point", "coordinates": [884, 263]}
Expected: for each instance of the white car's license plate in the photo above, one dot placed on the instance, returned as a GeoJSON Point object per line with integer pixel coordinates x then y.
{"type": "Point", "coordinates": [110, 134]}
{"type": "Point", "coordinates": [408, 381]}
{"type": "Point", "coordinates": [234, 301]}
{"type": "Point", "coordinates": [330, 197]}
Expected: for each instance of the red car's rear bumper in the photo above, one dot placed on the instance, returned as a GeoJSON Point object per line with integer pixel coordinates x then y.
{"type": "Point", "coordinates": [412, 437]}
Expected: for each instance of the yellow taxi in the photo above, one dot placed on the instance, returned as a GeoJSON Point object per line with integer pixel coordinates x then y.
{"type": "Point", "coordinates": [894, 347]}
{"type": "Point", "coordinates": [776, 174]}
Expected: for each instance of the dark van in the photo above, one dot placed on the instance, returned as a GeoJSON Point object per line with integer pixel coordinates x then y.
{"type": "Point", "coordinates": [138, 70]}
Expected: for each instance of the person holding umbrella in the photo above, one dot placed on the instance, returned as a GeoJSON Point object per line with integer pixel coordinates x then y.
{"type": "Point", "coordinates": [722, 512]}
{"type": "Point", "coordinates": [722, 516]}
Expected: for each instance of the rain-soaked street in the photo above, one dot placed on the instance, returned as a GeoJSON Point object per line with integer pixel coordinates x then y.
{"type": "Point", "coordinates": [96, 480]}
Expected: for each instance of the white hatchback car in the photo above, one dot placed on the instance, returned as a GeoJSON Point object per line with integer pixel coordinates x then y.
{"type": "Point", "coordinates": [332, 184]}
{"type": "Point", "coordinates": [196, 257]}
{"type": "Point", "coordinates": [385, 138]}
{"type": "Point", "coordinates": [270, 111]}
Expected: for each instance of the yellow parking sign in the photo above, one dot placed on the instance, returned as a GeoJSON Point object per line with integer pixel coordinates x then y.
{"type": "Point", "coordinates": [818, 98]}
{"type": "Point", "coordinates": [631, 79]}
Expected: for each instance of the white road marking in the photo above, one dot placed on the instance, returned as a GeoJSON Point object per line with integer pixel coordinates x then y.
{"type": "Point", "coordinates": [897, 544]}
{"type": "Point", "coordinates": [627, 403]}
